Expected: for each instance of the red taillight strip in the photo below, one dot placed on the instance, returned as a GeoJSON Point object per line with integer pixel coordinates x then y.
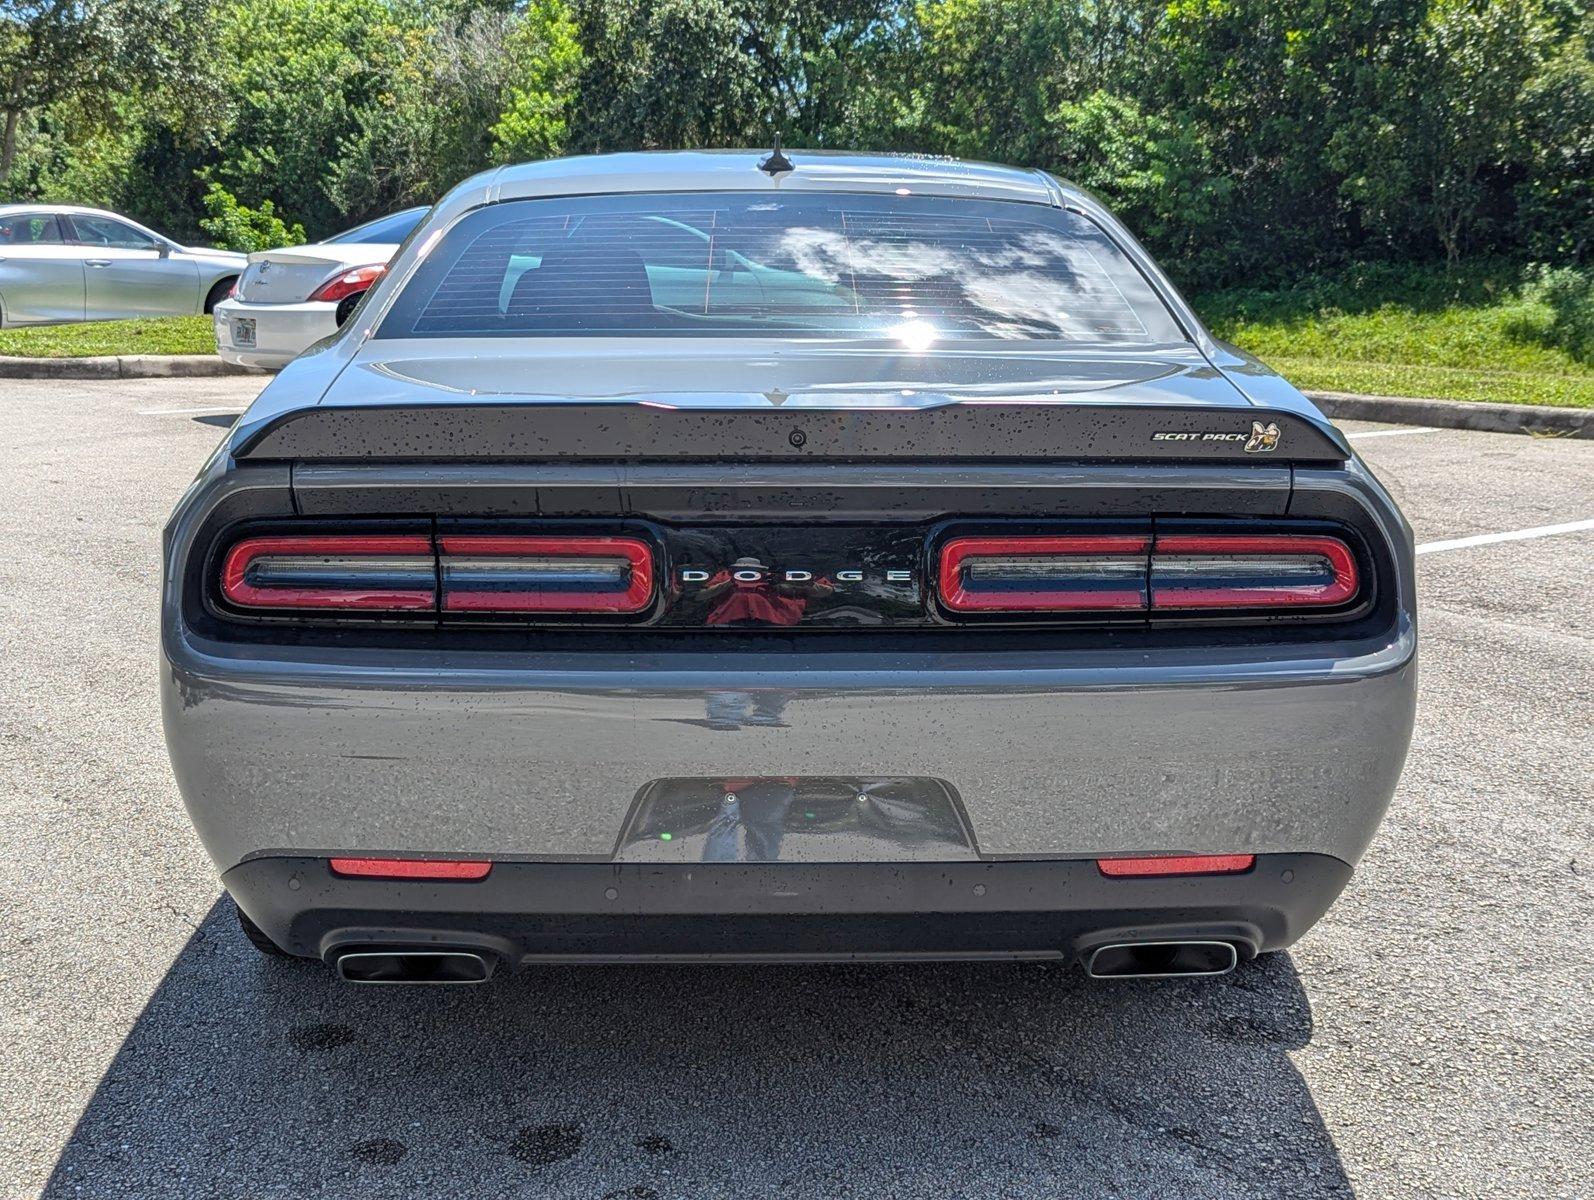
{"type": "Point", "coordinates": [236, 588]}
{"type": "Point", "coordinates": [636, 595]}
{"type": "Point", "coordinates": [1342, 586]}
{"type": "Point", "coordinates": [958, 596]}
{"type": "Point", "coordinates": [411, 868]}
{"type": "Point", "coordinates": [1177, 864]}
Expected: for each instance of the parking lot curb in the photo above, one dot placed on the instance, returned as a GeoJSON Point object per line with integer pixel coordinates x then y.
{"type": "Point", "coordinates": [119, 366]}
{"type": "Point", "coordinates": [1457, 414]}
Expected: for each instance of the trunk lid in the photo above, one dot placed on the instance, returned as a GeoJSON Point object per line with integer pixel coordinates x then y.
{"type": "Point", "coordinates": [655, 399]}
{"type": "Point", "coordinates": [289, 275]}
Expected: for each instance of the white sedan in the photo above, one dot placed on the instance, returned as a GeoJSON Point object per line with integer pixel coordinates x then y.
{"type": "Point", "coordinates": [297, 295]}
{"type": "Point", "coordinates": [61, 263]}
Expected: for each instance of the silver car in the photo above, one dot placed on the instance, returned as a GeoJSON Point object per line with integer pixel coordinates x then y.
{"type": "Point", "coordinates": [290, 297]}
{"type": "Point", "coordinates": [60, 263]}
{"type": "Point", "coordinates": [731, 556]}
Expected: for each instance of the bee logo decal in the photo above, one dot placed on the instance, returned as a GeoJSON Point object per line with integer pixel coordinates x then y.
{"type": "Point", "coordinates": [1264, 438]}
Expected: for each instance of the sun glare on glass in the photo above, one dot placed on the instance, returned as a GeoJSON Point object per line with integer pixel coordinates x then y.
{"type": "Point", "coordinates": [915, 335]}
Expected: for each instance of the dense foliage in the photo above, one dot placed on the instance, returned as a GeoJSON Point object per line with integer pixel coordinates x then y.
{"type": "Point", "coordinates": [1247, 141]}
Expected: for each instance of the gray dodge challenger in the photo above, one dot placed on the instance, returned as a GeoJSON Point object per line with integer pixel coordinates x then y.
{"type": "Point", "coordinates": [782, 556]}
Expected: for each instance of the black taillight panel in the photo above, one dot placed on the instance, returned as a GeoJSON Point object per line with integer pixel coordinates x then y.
{"type": "Point", "coordinates": [461, 573]}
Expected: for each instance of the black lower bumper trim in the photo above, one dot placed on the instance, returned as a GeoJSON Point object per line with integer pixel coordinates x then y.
{"type": "Point", "coordinates": [788, 911]}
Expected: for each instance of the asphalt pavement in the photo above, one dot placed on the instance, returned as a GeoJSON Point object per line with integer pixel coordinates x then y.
{"type": "Point", "coordinates": [1430, 1037]}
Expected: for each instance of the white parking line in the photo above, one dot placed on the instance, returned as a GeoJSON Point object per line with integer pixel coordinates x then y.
{"type": "Point", "coordinates": [1515, 535]}
{"type": "Point", "coordinates": [1391, 432]}
{"type": "Point", "coordinates": [183, 412]}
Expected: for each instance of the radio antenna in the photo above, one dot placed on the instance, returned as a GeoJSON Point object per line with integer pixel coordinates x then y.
{"type": "Point", "coordinates": [777, 163]}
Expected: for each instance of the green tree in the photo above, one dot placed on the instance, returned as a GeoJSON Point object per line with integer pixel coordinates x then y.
{"type": "Point", "coordinates": [234, 227]}
{"type": "Point", "coordinates": [973, 51]}
{"type": "Point", "coordinates": [543, 59]}
{"type": "Point", "coordinates": [1557, 195]}
{"type": "Point", "coordinates": [673, 73]}
{"type": "Point", "coordinates": [1432, 153]}
{"type": "Point", "coordinates": [302, 77]}
{"type": "Point", "coordinates": [90, 56]}
{"type": "Point", "coordinates": [1158, 174]}
{"type": "Point", "coordinates": [472, 85]}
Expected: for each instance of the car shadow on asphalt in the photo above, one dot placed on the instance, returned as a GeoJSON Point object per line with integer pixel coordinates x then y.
{"type": "Point", "coordinates": [245, 1076]}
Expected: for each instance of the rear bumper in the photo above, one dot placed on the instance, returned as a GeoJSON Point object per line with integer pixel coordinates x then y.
{"type": "Point", "coordinates": [581, 912]}
{"type": "Point", "coordinates": [541, 756]}
{"type": "Point", "coordinates": [281, 330]}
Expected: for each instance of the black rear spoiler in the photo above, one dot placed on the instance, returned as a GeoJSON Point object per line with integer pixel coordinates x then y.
{"type": "Point", "coordinates": [974, 432]}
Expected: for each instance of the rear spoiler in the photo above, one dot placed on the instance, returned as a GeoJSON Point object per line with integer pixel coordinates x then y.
{"type": "Point", "coordinates": [567, 430]}
{"type": "Point", "coordinates": [291, 257]}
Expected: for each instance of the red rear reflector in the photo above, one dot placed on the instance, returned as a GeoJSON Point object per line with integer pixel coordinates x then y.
{"type": "Point", "coordinates": [1181, 864]}
{"type": "Point", "coordinates": [1266, 570]}
{"type": "Point", "coordinates": [411, 868]}
{"type": "Point", "coordinates": [1088, 572]}
{"type": "Point", "coordinates": [393, 573]}
{"type": "Point", "coordinates": [546, 574]}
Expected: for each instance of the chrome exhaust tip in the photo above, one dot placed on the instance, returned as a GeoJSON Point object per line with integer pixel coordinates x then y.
{"type": "Point", "coordinates": [414, 966]}
{"type": "Point", "coordinates": [1161, 960]}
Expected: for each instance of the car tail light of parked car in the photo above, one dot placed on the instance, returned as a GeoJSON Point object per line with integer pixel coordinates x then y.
{"type": "Point", "coordinates": [381, 573]}
{"type": "Point", "coordinates": [1044, 574]}
{"type": "Point", "coordinates": [1250, 571]}
{"type": "Point", "coordinates": [546, 574]}
{"type": "Point", "coordinates": [460, 573]}
{"type": "Point", "coordinates": [348, 283]}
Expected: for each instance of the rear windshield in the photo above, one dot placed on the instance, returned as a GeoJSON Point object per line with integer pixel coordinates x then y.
{"type": "Point", "coordinates": [916, 269]}
{"type": "Point", "coordinates": [394, 227]}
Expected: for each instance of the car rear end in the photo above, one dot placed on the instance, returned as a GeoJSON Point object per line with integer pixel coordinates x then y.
{"type": "Point", "coordinates": [288, 299]}
{"type": "Point", "coordinates": [599, 622]}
